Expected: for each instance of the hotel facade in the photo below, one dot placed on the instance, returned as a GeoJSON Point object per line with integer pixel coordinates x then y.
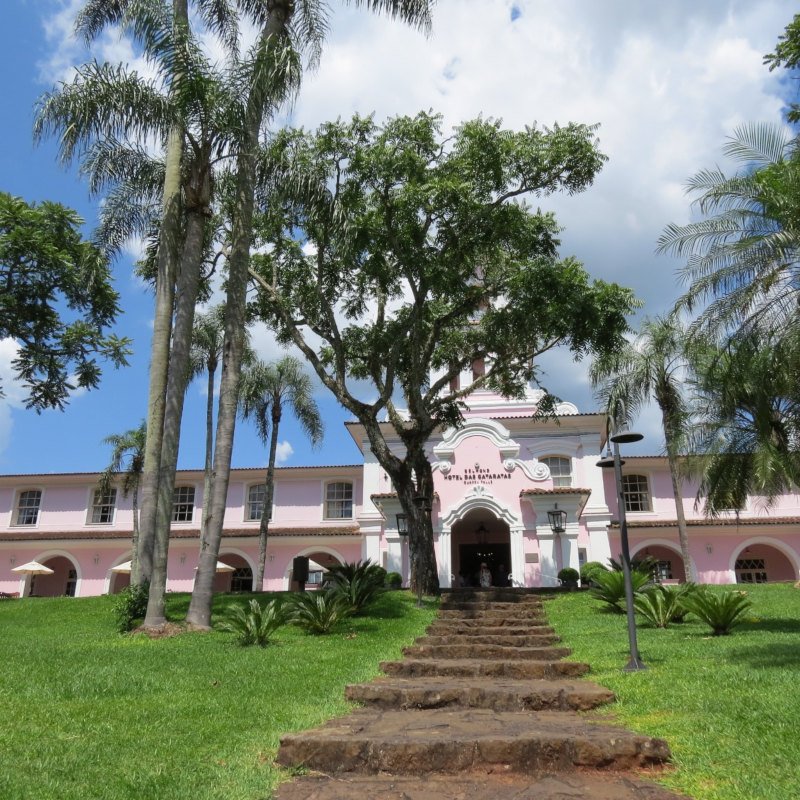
{"type": "Point", "coordinates": [496, 478]}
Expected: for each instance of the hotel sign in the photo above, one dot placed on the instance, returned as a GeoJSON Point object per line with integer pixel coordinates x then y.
{"type": "Point", "coordinates": [478, 475]}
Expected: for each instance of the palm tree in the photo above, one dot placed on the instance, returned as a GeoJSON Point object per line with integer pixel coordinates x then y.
{"type": "Point", "coordinates": [284, 27]}
{"type": "Point", "coordinates": [743, 259]}
{"type": "Point", "coordinates": [267, 389]}
{"type": "Point", "coordinates": [654, 367]}
{"type": "Point", "coordinates": [747, 429]}
{"type": "Point", "coordinates": [127, 460]}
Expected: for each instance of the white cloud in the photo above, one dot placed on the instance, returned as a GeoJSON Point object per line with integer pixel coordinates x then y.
{"type": "Point", "coordinates": [283, 452]}
{"type": "Point", "coordinates": [13, 391]}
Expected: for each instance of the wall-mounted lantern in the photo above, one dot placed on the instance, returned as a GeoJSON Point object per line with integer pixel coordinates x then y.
{"type": "Point", "coordinates": [558, 520]}
{"type": "Point", "coordinates": [402, 525]}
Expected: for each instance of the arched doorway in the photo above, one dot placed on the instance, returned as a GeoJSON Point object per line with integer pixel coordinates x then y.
{"type": "Point", "coordinates": [480, 538]}
{"type": "Point", "coordinates": [118, 581]}
{"type": "Point", "coordinates": [239, 580]}
{"type": "Point", "coordinates": [760, 562]}
{"type": "Point", "coordinates": [62, 583]}
{"type": "Point", "coordinates": [669, 562]}
{"type": "Point", "coordinates": [319, 562]}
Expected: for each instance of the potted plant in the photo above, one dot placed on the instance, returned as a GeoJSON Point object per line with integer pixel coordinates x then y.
{"type": "Point", "coordinates": [568, 578]}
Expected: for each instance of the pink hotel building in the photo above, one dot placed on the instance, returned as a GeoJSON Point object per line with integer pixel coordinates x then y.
{"type": "Point", "coordinates": [496, 478]}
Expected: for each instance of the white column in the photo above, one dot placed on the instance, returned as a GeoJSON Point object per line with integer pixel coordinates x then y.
{"type": "Point", "coordinates": [599, 547]}
{"type": "Point", "coordinates": [394, 552]}
{"type": "Point", "coordinates": [445, 556]}
{"type": "Point", "coordinates": [517, 556]}
{"type": "Point", "coordinates": [548, 563]}
{"type": "Point", "coordinates": [569, 546]}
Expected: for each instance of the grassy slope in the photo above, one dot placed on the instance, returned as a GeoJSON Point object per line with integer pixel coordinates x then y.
{"type": "Point", "coordinates": [727, 705]}
{"type": "Point", "coordinates": [86, 713]}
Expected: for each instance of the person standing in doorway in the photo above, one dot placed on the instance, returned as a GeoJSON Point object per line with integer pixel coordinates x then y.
{"type": "Point", "coordinates": [485, 577]}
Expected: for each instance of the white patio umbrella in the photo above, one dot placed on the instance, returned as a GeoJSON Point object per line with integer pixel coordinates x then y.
{"type": "Point", "coordinates": [223, 567]}
{"type": "Point", "coordinates": [123, 568]}
{"type": "Point", "coordinates": [33, 568]}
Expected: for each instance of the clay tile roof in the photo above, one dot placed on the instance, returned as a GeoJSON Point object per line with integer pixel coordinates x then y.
{"type": "Point", "coordinates": [383, 496]}
{"type": "Point", "coordinates": [555, 490]}
{"type": "Point", "coordinates": [177, 533]}
{"type": "Point", "coordinates": [706, 522]}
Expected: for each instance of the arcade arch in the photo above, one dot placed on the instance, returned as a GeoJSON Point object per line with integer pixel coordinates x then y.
{"type": "Point", "coordinates": [764, 560]}
{"type": "Point", "coordinates": [324, 557]}
{"type": "Point", "coordinates": [65, 580]}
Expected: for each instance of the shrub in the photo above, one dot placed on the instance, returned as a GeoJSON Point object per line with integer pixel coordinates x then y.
{"type": "Point", "coordinates": [588, 570]}
{"type": "Point", "coordinates": [256, 624]}
{"type": "Point", "coordinates": [317, 612]}
{"type": "Point", "coordinates": [610, 587]}
{"type": "Point", "coordinates": [357, 584]}
{"type": "Point", "coordinates": [130, 606]}
{"type": "Point", "coordinates": [661, 605]}
{"type": "Point", "coordinates": [394, 580]}
{"type": "Point", "coordinates": [568, 576]}
{"type": "Point", "coordinates": [721, 612]}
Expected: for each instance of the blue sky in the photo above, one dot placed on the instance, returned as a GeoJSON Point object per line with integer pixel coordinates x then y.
{"type": "Point", "coordinates": [667, 83]}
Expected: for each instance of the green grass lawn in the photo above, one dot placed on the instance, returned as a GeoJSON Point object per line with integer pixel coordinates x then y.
{"type": "Point", "coordinates": [86, 713]}
{"type": "Point", "coordinates": [729, 706]}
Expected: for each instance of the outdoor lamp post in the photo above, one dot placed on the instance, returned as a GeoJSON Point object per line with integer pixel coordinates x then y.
{"type": "Point", "coordinates": [625, 437]}
{"type": "Point", "coordinates": [402, 525]}
{"type": "Point", "coordinates": [558, 520]}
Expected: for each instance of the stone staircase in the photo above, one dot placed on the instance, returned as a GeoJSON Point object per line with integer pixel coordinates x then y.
{"type": "Point", "coordinates": [481, 707]}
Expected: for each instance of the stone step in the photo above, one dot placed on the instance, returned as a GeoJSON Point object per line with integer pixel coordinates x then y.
{"type": "Point", "coordinates": [501, 593]}
{"type": "Point", "coordinates": [476, 668]}
{"type": "Point", "coordinates": [569, 786]}
{"type": "Point", "coordinates": [517, 616]}
{"type": "Point", "coordinates": [481, 605]}
{"type": "Point", "coordinates": [470, 626]}
{"type": "Point", "coordinates": [486, 651]}
{"type": "Point", "coordinates": [502, 694]}
{"type": "Point", "coordinates": [507, 640]}
{"type": "Point", "coordinates": [370, 741]}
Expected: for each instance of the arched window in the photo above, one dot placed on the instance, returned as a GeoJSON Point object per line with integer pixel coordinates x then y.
{"type": "Point", "coordinates": [560, 470]}
{"type": "Point", "coordinates": [339, 500]}
{"type": "Point", "coordinates": [636, 492]}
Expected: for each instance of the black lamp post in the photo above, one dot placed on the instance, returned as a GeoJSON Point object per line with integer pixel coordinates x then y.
{"type": "Point", "coordinates": [402, 525]}
{"type": "Point", "coordinates": [625, 437]}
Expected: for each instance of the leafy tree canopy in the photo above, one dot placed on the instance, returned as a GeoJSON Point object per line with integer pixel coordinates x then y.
{"type": "Point", "coordinates": [405, 254]}
{"type": "Point", "coordinates": [56, 301]}
{"type": "Point", "coordinates": [787, 55]}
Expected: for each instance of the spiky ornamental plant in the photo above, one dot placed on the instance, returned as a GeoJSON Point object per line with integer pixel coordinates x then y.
{"type": "Point", "coordinates": [722, 612]}
{"type": "Point", "coordinates": [609, 586]}
{"type": "Point", "coordinates": [662, 605]}
{"type": "Point", "coordinates": [256, 624]}
{"type": "Point", "coordinates": [318, 612]}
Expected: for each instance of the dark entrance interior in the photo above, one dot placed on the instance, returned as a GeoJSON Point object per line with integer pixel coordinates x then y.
{"type": "Point", "coordinates": [496, 555]}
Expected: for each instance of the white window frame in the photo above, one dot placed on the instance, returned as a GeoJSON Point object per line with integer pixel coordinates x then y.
{"type": "Point", "coordinates": [91, 505]}
{"type": "Point", "coordinates": [246, 510]}
{"type": "Point", "coordinates": [626, 493]}
{"type": "Point", "coordinates": [326, 500]}
{"type": "Point", "coordinates": [176, 503]}
{"type": "Point", "coordinates": [15, 523]}
{"type": "Point", "coordinates": [556, 478]}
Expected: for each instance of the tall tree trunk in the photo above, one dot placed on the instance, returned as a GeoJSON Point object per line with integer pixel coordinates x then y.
{"type": "Point", "coordinates": [424, 573]}
{"type": "Point", "coordinates": [179, 375]}
{"type": "Point", "coordinates": [671, 437]}
{"type": "Point", "coordinates": [269, 494]}
{"type": "Point", "coordinates": [683, 534]}
{"type": "Point", "coordinates": [199, 614]}
{"type": "Point", "coordinates": [212, 371]}
{"type": "Point", "coordinates": [135, 543]}
{"type": "Point", "coordinates": [168, 255]}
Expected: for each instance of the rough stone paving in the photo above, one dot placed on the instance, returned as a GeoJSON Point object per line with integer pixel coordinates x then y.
{"type": "Point", "coordinates": [482, 707]}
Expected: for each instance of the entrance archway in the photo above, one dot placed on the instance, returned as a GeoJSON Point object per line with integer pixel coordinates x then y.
{"type": "Point", "coordinates": [319, 562]}
{"type": "Point", "coordinates": [480, 538]}
{"type": "Point", "coordinates": [240, 580]}
{"type": "Point", "coordinates": [762, 562]}
{"type": "Point", "coordinates": [62, 583]}
{"type": "Point", "coordinates": [669, 561]}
